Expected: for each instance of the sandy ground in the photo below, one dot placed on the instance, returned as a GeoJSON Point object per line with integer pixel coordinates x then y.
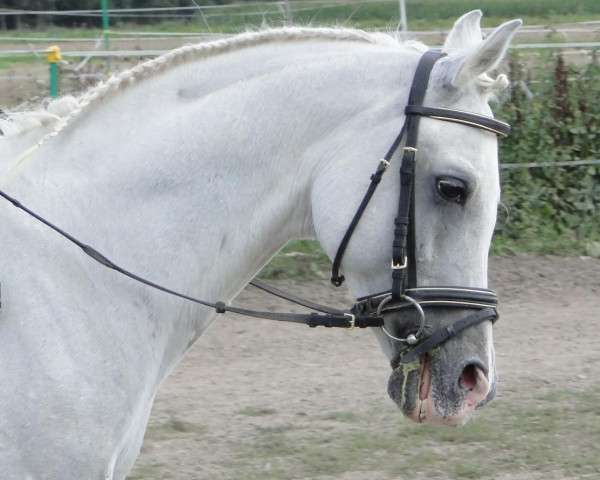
{"type": "Point", "coordinates": [548, 337]}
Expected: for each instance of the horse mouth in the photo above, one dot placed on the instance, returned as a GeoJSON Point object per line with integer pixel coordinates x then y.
{"type": "Point", "coordinates": [424, 387]}
{"type": "Point", "coordinates": [423, 399]}
{"type": "Point", "coordinates": [419, 413]}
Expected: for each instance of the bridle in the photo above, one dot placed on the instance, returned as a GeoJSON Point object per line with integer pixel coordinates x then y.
{"type": "Point", "coordinates": [404, 293]}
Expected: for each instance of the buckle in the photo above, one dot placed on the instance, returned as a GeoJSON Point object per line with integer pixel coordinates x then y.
{"type": "Point", "coordinates": [399, 266]}
{"type": "Point", "coordinates": [412, 150]}
{"type": "Point", "coordinates": [352, 321]}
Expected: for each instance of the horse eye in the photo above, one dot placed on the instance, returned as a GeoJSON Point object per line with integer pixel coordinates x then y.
{"type": "Point", "coordinates": [452, 189]}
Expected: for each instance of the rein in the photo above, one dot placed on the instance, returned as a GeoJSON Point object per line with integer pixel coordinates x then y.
{"type": "Point", "coordinates": [331, 317]}
{"type": "Point", "coordinates": [368, 311]}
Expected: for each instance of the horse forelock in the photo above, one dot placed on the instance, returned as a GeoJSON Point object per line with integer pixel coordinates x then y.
{"type": "Point", "coordinates": [484, 86]}
{"type": "Point", "coordinates": [60, 111]}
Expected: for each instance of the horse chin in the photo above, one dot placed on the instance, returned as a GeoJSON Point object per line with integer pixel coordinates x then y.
{"type": "Point", "coordinates": [412, 387]}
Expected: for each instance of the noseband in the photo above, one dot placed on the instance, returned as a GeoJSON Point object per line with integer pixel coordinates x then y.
{"type": "Point", "coordinates": [404, 293]}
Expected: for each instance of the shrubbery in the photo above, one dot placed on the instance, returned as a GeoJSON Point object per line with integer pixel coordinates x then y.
{"type": "Point", "coordinates": [555, 115]}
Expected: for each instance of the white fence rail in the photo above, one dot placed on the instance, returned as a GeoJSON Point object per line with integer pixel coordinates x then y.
{"type": "Point", "coordinates": [572, 163]}
{"type": "Point", "coordinates": [207, 37]}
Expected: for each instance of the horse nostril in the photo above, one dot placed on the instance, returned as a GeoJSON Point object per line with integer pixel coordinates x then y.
{"type": "Point", "coordinates": [473, 375]}
{"type": "Point", "coordinates": [474, 382]}
{"type": "Point", "coordinates": [468, 377]}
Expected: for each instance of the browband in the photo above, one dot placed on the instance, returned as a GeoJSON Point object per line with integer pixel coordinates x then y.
{"type": "Point", "coordinates": [458, 116]}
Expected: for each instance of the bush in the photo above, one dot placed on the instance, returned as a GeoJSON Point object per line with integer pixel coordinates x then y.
{"type": "Point", "coordinates": [551, 209]}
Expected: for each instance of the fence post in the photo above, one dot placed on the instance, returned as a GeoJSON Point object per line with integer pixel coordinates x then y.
{"type": "Point", "coordinates": [403, 20]}
{"type": "Point", "coordinates": [287, 16]}
{"type": "Point", "coordinates": [53, 58]}
{"type": "Point", "coordinates": [106, 31]}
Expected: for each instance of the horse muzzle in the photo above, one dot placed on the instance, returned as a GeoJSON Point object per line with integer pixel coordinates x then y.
{"type": "Point", "coordinates": [443, 363]}
{"type": "Point", "coordinates": [443, 383]}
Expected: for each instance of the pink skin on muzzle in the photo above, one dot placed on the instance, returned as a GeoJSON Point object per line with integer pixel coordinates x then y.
{"type": "Point", "coordinates": [472, 389]}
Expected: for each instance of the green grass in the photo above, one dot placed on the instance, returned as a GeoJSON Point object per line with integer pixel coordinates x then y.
{"type": "Point", "coordinates": [156, 470]}
{"type": "Point", "coordinates": [344, 417]}
{"type": "Point", "coordinates": [58, 32]}
{"type": "Point", "coordinates": [256, 411]}
{"type": "Point", "coordinates": [554, 432]}
{"type": "Point", "coordinates": [156, 434]}
{"type": "Point", "coordinates": [422, 15]}
{"type": "Point", "coordinates": [300, 259]}
{"type": "Point", "coordinates": [173, 427]}
{"type": "Point", "coordinates": [19, 60]}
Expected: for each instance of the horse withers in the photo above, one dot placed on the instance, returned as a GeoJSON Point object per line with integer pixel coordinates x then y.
{"type": "Point", "coordinates": [193, 169]}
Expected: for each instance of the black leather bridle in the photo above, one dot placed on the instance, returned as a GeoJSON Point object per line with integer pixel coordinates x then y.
{"type": "Point", "coordinates": [404, 294]}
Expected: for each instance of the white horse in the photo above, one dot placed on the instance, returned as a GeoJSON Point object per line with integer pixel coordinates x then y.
{"type": "Point", "coordinates": [193, 170]}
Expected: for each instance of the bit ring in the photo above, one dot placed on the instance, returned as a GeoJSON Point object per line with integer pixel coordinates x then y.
{"type": "Point", "coordinates": [411, 339]}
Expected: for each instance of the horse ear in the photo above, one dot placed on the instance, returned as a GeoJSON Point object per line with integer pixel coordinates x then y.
{"type": "Point", "coordinates": [483, 56]}
{"type": "Point", "coordinates": [465, 33]}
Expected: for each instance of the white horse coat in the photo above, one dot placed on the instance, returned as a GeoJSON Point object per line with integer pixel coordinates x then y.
{"type": "Point", "coordinates": [193, 170]}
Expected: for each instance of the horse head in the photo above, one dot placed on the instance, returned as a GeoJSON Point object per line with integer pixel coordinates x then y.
{"type": "Point", "coordinates": [452, 210]}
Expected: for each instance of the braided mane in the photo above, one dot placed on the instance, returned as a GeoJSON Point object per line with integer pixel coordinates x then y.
{"type": "Point", "coordinates": [62, 110]}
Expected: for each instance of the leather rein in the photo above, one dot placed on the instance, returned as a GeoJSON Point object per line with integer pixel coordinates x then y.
{"type": "Point", "coordinates": [368, 311]}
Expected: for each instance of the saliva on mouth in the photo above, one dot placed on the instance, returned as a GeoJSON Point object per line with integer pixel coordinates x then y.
{"type": "Point", "coordinates": [409, 386]}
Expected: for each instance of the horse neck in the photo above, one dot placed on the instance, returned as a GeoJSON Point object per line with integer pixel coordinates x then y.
{"type": "Point", "coordinates": [203, 180]}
